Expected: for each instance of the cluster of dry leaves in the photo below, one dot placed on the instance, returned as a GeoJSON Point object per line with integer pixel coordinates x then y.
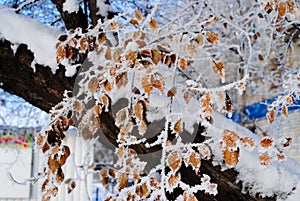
{"type": "Point", "coordinates": [147, 65]}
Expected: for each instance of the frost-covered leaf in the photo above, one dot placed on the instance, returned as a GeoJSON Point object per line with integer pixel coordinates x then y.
{"type": "Point", "coordinates": [178, 126]}
{"type": "Point", "coordinates": [122, 181]}
{"type": "Point", "coordinates": [182, 63]}
{"type": "Point", "coordinates": [206, 103]}
{"type": "Point", "coordinates": [158, 81]}
{"type": "Point", "coordinates": [271, 115]}
{"type": "Point", "coordinates": [212, 37]}
{"type": "Point", "coordinates": [265, 159]}
{"type": "Point", "coordinates": [146, 84]}
{"type": "Point", "coordinates": [195, 161]}
{"type": "Point", "coordinates": [230, 157]}
{"type": "Point", "coordinates": [138, 15]}
{"type": "Point", "coordinates": [156, 56]}
{"type": "Point", "coordinates": [230, 138]}
{"type": "Point", "coordinates": [142, 190]}
{"type": "Point", "coordinates": [173, 181]}
{"type": "Point", "coordinates": [189, 197]}
{"type": "Point", "coordinates": [247, 142]}
{"type": "Point", "coordinates": [174, 161]}
{"type": "Point", "coordinates": [153, 24]}
{"type": "Point", "coordinates": [93, 84]}
{"type": "Point", "coordinates": [267, 142]}
{"type": "Point", "coordinates": [122, 116]}
{"type": "Point", "coordinates": [121, 79]}
{"type": "Point", "coordinates": [205, 151]}
{"type": "Point", "coordinates": [282, 7]}
{"type": "Point", "coordinates": [218, 67]}
{"type": "Point", "coordinates": [172, 92]}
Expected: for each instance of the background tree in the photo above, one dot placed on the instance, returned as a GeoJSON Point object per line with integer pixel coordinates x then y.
{"type": "Point", "coordinates": [181, 64]}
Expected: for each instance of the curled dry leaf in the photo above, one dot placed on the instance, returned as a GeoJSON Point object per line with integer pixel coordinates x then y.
{"type": "Point", "coordinates": [59, 176]}
{"type": "Point", "coordinates": [230, 157]}
{"type": "Point", "coordinates": [134, 22]}
{"type": "Point", "coordinates": [178, 127]}
{"type": "Point", "coordinates": [172, 92]}
{"type": "Point", "coordinates": [122, 181]}
{"type": "Point", "coordinates": [122, 116]}
{"type": "Point", "coordinates": [271, 115]}
{"type": "Point", "coordinates": [284, 110]}
{"type": "Point", "coordinates": [218, 67]}
{"type": "Point", "coordinates": [107, 86]}
{"type": "Point", "coordinates": [174, 161]}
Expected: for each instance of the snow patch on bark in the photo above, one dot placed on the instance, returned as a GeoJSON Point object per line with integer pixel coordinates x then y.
{"type": "Point", "coordinates": [71, 6]}
{"type": "Point", "coordinates": [39, 38]}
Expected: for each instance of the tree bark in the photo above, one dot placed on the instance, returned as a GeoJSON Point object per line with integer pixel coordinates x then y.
{"type": "Point", "coordinates": [41, 88]}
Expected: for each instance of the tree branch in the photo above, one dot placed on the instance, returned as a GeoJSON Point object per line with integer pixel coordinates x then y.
{"type": "Point", "coordinates": [41, 88]}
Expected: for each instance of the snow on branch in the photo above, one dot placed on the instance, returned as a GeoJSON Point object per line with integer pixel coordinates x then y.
{"type": "Point", "coordinates": [39, 38]}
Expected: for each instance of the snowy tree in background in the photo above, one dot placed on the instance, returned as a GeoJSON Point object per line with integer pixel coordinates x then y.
{"type": "Point", "coordinates": [157, 83]}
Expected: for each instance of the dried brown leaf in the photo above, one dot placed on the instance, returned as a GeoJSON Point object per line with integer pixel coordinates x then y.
{"type": "Point", "coordinates": [146, 84]}
{"type": "Point", "coordinates": [230, 157]}
{"type": "Point", "coordinates": [212, 37]}
{"type": "Point", "coordinates": [230, 138]}
{"type": "Point", "coordinates": [282, 6]}
{"type": "Point", "coordinates": [138, 15]}
{"type": "Point", "coordinates": [218, 67]}
{"type": "Point", "coordinates": [156, 56]}
{"type": "Point", "coordinates": [153, 24]}
{"type": "Point", "coordinates": [174, 179]}
{"type": "Point", "coordinates": [174, 161]}
{"type": "Point", "coordinates": [122, 181]}
{"type": "Point", "coordinates": [121, 79]}
{"type": "Point", "coordinates": [265, 159]}
{"type": "Point", "coordinates": [178, 127]}
{"type": "Point", "coordinates": [158, 81]}
{"type": "Point", "coordinates": [182, 63]}
{"type": "Point", "coordinates": [93, 84]}
{"type": "Point", "coordinates": [271, 115]}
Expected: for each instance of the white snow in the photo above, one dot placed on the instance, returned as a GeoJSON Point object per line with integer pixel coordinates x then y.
{"type": "Point", "coordinates": [41, 40]}
{"type": "Point", "coordinates": [279, 178]}
{"type": "Point", "coordinates": [71, 6]}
